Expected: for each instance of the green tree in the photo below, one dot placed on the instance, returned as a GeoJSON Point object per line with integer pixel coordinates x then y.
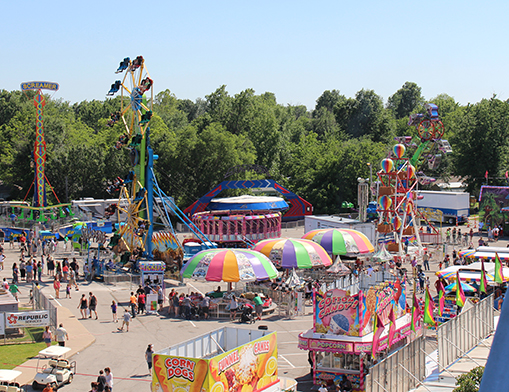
{"type": "Point", "coordinates": [471, 381]}
{"type": "Point", "coordinates": [406, 100]}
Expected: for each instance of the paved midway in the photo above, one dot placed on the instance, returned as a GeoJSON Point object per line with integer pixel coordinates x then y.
{"type": "Point", "coordinates": [97, 344]}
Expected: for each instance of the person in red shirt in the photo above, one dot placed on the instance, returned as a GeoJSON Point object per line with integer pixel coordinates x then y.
{"type": "Point", "coordinates": [141, 303]}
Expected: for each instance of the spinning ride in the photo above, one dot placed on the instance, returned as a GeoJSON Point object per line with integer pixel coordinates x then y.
{"type": "Point", "coordinates": [139, 188]}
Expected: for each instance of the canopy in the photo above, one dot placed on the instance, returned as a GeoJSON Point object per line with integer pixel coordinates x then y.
{"type": "Point", "coordinates": [341, 241]}
{"type": "Point", "coordinates": [9, 375]}
{"type": "Point", "coordinates": [339, 268]}
{"type": "Point", "coordinates": [382, 254]}
{"type": "Point", "coordinates": [466, 287]}
{"type": "Point", "coordinates": [229, 265]}
{"type": "Point", "coordinates": [489, 256]}
{"type": "Point", "coordinates": [294, 253]}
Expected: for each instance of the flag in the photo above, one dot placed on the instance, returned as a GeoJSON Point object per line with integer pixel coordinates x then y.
{"type": "Point", "coordinates": [358, 315]}
{"type": "Point", "coordinates": [484, 282]}
{"type": "Point", "coordinates": [377, 332]}
{"type": "Point", "coordinates": [397, 287]}
{"type": "Point", "coordinates": [499, 275]}
{"type": "Point", "coordinates": [402, 297]}
{"type": "Point", "coordinates": [392, 327]}
{"type": "Point", "coordinates": [416, 311]}
{"type": "Point", "coordinates": [460, 295]}
{"type": "Point", "coordinates": [366, 314]}
{"type": "Point", "coordinates": [429, 306]}
{"type": "Point", "coordinates": [486, 175]}
{"type": "Point", "coordinates": [441, 298]}
{"type": "Point", "coordinates": [506, 175]}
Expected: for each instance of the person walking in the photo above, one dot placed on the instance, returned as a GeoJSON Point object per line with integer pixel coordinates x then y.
{"type": "Point", "coordinates": [14, 290]}
{"type": "Point", "coordinates": [83, 306]}
{"type": "Point", "coordinates": [127, 319]}
{"type": "Point", "coordinates": [61, 335]}
{"type": "Point", "coordinates": [425, 260]}
{"type": "Point", "coordinates": [92, 305]}
{"type": "Point", "coordinates": [233, 308]}
{"type": "Point", "coordinates": [148, 356]}
{"type": "Point", "coordinates": [132, 302]}
{"type": "Point", "coordinates": [114, 311]}
{"type": "Point", "coordinates": [46, 335]}
{"type": "Point", "coordinates": [141, 303]}
{"type": "Point", "coordinates": [15, 273]}
{"type": "Point", "coordinates": [56, 286]}
{"type": "Point", "coordinates": [258, 306]}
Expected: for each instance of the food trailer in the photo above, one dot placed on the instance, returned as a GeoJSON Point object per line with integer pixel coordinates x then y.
{"type": "Point", "coordinates": [224, 360]}
{"type": "Point", "coordinates": [345, 341]}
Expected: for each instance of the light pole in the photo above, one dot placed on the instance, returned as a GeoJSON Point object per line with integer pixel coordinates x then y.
{"type": "Point", "coordinates": [370, 181]}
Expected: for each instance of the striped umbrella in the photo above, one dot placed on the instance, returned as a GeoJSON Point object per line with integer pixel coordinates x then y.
{"type": "Point", "coordinates": [294, 253]}
{"type": "Point", "coordinates": [466, 253]}
{"type": "Point", "coordinates": [341, 241]}
{"type": "Point", "coordinates": [229, 265]}
{"type": "Point", "coordinates": [454, 285]}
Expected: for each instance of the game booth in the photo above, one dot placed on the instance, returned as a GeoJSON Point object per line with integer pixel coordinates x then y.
{"type": "Point", "coordinates": [224, 360]}
{"type": "Point", "coordinates": [344, 332]}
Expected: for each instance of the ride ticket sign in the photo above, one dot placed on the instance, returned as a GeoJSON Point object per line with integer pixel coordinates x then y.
{"type": "Point", "coordinates": [251, 367]}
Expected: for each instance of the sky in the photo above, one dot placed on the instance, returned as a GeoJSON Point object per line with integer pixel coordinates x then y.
{"type": "Point", "coordinates": [294, 49]}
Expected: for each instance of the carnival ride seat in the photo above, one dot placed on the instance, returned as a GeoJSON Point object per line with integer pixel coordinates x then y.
{"type": "Point", "coordinates": [145, 118]}
{"type": "Point", "coordinates": [124, 64]}
{"type": "Point", "coordinates": [136, 140]}
{"type": "Point", "coordinates": [140, 194]}
{"type": "Point", "coordinates": [432, 111]}
{"type": "Point", "coordinates": [137, 62]}
{"type": "Point", "coordinates": [129, 178]}
{"type": "Point", "coordinates": [146, 84]}
{"type": "Point", "coordinates": [114, 87]}
{"type": "Point", "coordinates": [415, 119]}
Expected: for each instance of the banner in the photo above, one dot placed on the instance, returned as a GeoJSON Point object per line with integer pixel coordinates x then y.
{"type": "Point", "coordinates": [2, 324]}
{"type": "Point", "coordinates": [251, 366]}
{"type": "Point", "coordinates": [151, 302]}
{"type": "Point", "coordinates": [37, 318]}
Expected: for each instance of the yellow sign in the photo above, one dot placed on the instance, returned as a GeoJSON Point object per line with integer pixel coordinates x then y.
{"type": "Point", "coordinates": [251, 367]}
{"type": "Point", "coordinates": [39, 86]}
{"type": "Point", "coordinates": [431, 214]}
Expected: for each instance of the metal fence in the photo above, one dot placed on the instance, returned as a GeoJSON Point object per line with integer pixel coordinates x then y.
{"type": "Point", "coordinates": [40, 302]}
{"type": "Point", "coordinates": [461, 334]}
{"type": "Point", "coordinates": [401, 371]}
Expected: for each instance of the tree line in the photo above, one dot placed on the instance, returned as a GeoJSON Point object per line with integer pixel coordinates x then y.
{"type": "Point", "coordinates": [318, 153]}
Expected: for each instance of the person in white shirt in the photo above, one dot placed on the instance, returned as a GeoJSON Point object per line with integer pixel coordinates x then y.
{"type": "Point", "coordinates": [109, 377]}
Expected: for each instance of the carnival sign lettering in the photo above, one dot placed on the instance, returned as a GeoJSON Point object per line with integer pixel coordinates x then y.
{"type": "Point", "coordinates": [39, 85]}
{"type": "Point", "coordinates": [330, 345]}
{"type": "Point", "coordinates": [332, 304]}
{"type": "Point", "coordinates": [228, 361]}
{"type": "Point", "coordinates": [180, 367]}
{"type": "Point", "coordinates": [39, 318]}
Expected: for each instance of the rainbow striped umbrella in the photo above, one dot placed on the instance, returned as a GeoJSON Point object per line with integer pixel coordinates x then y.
{"type": "Point", "coordinates": [466, 253]}
{"type": "Point", "coordinates": [294, 253]}
{"type": "Point", "coordinates": [341, 241]}
{"type": "Point", "coordinates": [465, 286]}
{"type": "Point", "coordinates": [229, 265]}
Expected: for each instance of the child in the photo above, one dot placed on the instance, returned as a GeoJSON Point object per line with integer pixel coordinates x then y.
{"type": "Point", "coordinates": [68, 290]}
{"type": "Point", "coordinates": [114, 311]}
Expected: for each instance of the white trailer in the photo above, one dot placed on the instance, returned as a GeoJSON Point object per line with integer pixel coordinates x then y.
{"type": "Point", "coordinates": [455, 206]}
{"type": "Point", "coordinates": [312, 222]}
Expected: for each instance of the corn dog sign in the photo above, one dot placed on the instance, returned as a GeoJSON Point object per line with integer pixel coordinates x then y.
{"type": "Point", "coordinates": [251, 367]}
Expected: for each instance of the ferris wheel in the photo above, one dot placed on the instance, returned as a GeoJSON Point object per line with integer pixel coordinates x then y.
{"type": "Point", "coordinates": [135, 114]}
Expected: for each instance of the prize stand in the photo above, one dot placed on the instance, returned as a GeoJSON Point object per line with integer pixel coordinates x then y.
{"type": "Point", "coordinates": [227, 359]}
{"type": "Point", "coordinates": [344, 332]}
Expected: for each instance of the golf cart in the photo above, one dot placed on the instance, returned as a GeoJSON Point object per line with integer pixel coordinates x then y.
{"type": "Point", "coordinates": [8, 381]}
{"type": "Point", "coordinates": [57, 372]}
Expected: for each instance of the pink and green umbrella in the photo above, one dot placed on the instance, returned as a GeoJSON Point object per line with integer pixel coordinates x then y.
{"type": "Point", "coordinates": [341, 241]}
{"type": "Point", "coordinates": [294, 253]}
{"type": "Point", "coordinates": [229, 265]}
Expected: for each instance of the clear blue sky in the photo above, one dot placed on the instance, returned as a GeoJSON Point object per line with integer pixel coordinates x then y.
{"type": "Point", "coordinates": [294, 49]}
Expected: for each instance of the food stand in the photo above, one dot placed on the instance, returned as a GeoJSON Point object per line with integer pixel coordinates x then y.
{"type": "Point", "coordinates": [341, 340]}
{"type": "Point", "coordinates": [227, 359]}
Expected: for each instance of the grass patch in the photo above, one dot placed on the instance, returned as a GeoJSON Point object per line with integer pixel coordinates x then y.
{"type": "Point", "coordinates": [13, 355]}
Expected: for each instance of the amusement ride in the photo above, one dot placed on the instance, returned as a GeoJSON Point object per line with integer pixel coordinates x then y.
{"type": "Point", "coordinates": [398, 179]}
{"type": "Point", "coordinates": [139, 193]}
